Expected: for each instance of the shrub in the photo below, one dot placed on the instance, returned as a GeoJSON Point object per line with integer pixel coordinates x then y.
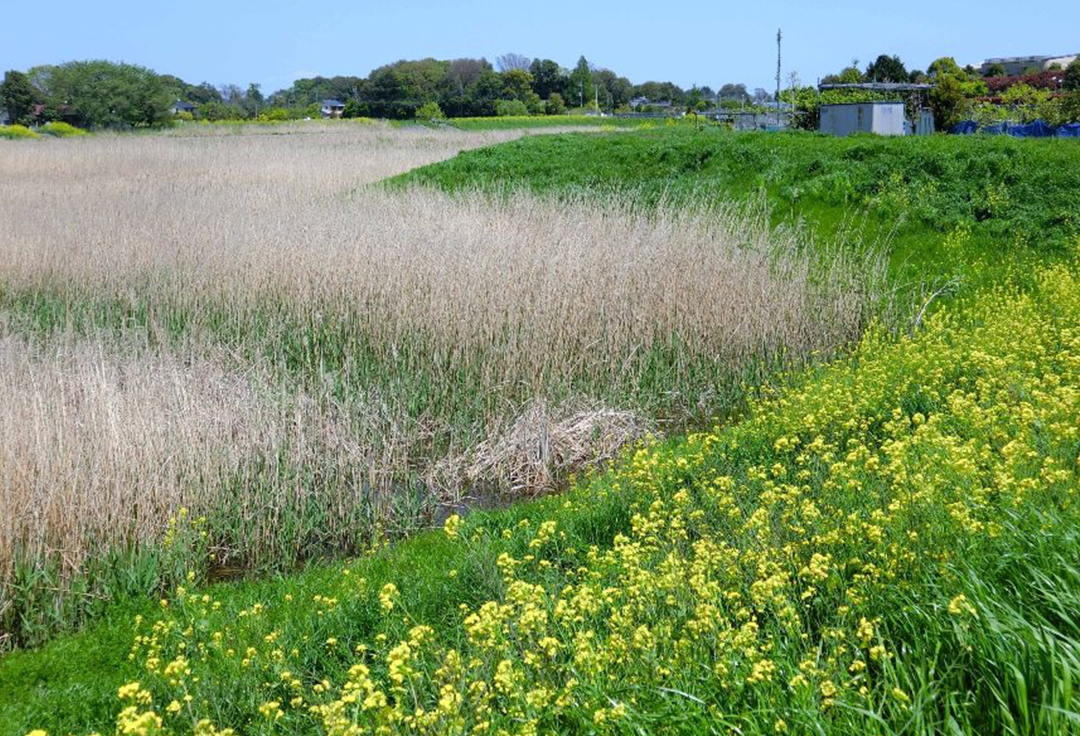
{"type": "Point", "coordinates": [16, 132]}
{"type": "Point", "coordinates": [275, 114]}
{"type": "Point", "coordinates": [948, 101]}
{"type": "Point", "coordinates": [555, 104]}
{"type": "Point", "coordinates": [64, 130]}
{"type": "Point", "coordinates": [429, 111]}
{"type": "Point", "coordinates": [510, 108]}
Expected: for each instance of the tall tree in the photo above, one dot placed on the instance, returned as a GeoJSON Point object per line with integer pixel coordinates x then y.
{"type": "Point", "coordinates": [17, 97]}
{"type": "Point", "coordinates": [101, 94]}
{"type": "Point", "coordinates": [202, 93]}
{"type": "Point", "coordinates": [517, 84]}
{"type": "Point", "coordinates": [548, 77]}
{"type": "Point", "coordinates": [580, 87]}
{"type": "Point", "coordinates": [253, 100]}
{"type": "Point", "coordinates": [887, 69]}
{"type": "Point", "coordinates": [614, 91]}
{"type": "Point", "coordinates": [510, 62]}
{"type": "Point", "coordinates": [947, 100]}
{"type": "Point", "coordinates": [732, 92]}
{"type": "Point", "coordinates": [231, 93]}
{"type": "Point", "coordinates": [462, 73]}
{"type": "Point", "coordinates": [946, 65]}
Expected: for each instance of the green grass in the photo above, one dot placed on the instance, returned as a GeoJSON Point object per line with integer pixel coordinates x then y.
{"type": "Point", "coordinates": [945, 204]}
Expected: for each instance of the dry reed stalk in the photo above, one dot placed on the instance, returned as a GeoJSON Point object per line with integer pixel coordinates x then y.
{"type": "Point", "coordinates": [497, 306]}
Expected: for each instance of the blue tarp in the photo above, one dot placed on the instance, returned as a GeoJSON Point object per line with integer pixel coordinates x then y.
{"type": "Point", "coordinates": [1036, 129]}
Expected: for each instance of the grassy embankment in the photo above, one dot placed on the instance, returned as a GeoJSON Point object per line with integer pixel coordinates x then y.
{"type": "Point", "coordinates": [937, 557]}
{"type": "Point", "coordinates": [946, 206]}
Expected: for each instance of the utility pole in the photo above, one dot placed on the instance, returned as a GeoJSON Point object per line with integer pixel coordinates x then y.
{"type": "Point", "coordinates": [779, 38]}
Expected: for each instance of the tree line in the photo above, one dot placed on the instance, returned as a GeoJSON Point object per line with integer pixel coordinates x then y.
{"type": "Point", "coordinates": [105, 94]}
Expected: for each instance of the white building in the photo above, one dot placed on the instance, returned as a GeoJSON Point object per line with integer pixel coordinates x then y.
{"type": "Point", "coordinates": [882, 118]}
{"type": "Point", "coordinates": [1017, 65]}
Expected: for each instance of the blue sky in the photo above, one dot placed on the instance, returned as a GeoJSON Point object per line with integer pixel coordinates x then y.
{"type": "Point", "coordinates": [273, 42]}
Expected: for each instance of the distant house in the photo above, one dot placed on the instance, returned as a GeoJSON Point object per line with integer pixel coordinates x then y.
{"type": "Point", "coordinates": [640, 102]}
{"type": "Point", "coordinates": [180, 106]}
{"type": "Point", "coordinates": [332, 108]}
{"type": "Point", "coordinates": [1017, 65]}
{"type": "Point", "coordinates": [4, 117]}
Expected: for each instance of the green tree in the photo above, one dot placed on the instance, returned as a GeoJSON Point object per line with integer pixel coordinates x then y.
{"type": "Point", "coordinates": [17, 96]}
{"type": "Point", "coordinates": [253, 100]}
{"type": "Point", "coordinates": [994, 70]}
{"type": "Point", "coordinates": [1072, 76]}
{"type": "Point", "coordinates": [103, 94]}
{"type": "Point", "coordinates": [556, 105]}
{"type": "Point", "coordinates": [947, 100]}
{"type": "Point", "coordinates": [548, 77]}
{"type": "Point", "coordinates": [848, 75]}
{"type": "Point", "coordinates": [946, 65]}
{"type": "Point", "coordinates": [887, 69]}
{"type": "Point", "coordinates": [581, 88]}
{"type": "Point", "coordinates": [517, 84]}
{"type": "Point", "coordinates": [734, 92]}
{"type": "Point", "coordinates": [614, 91]}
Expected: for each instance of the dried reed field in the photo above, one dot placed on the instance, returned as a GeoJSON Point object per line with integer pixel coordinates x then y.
{"type": "Point", "coordinates": [237, 351]}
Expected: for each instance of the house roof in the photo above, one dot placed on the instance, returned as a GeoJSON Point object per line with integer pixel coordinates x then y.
{"type": "Point", "coordinates": [333, 103]}
{"type": "Point", "coordinates": [880, 86]}
{"type": "Point", "coordinates": [868, 102]}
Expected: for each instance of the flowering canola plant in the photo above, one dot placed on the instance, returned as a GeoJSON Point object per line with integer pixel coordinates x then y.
{"type": "Point", "coordinates": [755, 582]}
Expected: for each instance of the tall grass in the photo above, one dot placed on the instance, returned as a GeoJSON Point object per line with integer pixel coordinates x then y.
{"type": "Point", "coordinates": [240, 327]}
{"type": "Point", "coordinates": [886, 545]}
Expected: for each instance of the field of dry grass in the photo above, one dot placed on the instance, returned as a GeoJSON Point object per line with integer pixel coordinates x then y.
{"type": "Point", "coordinates": [241, 326]}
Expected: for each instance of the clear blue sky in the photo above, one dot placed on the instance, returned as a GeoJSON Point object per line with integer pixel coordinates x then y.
{"type": "Point", "coordinates": [273, 42]}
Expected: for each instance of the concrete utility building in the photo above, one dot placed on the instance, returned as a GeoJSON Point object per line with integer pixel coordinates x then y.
{"type": "Point", "coordinates": [883, 118]}
{"type": "Point", "coordinates": [1017, 65]}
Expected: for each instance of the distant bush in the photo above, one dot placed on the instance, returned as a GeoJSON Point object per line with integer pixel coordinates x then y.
{"type": "Point", "coordinates": [16, 132]}
{"type": "Point", "coordinates": [62, 130]}
{"type": "Point", "coordinates": [429, 111]}
{"type": "Point", "coordinates": [510, 108]}
{"type": "Point", "coordinates": [555, 104]}
{"type": "Point", "coordinates": [276, 114]}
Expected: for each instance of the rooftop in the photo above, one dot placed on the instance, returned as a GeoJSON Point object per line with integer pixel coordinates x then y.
{"type": "Point", "coordinates": [880, 86]}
